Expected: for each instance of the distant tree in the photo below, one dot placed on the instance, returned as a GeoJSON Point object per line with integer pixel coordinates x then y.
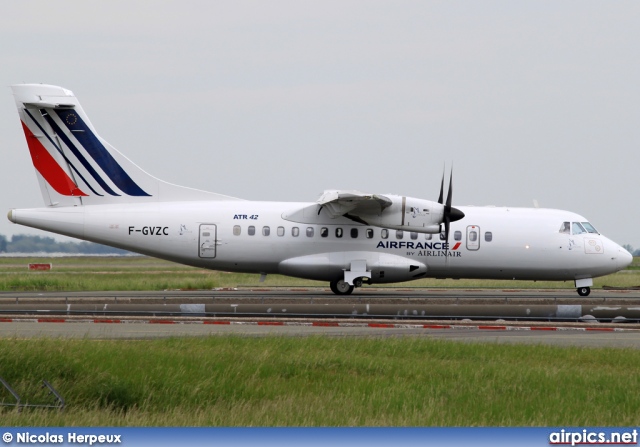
{"type": "Point", "coordinates": [3, 243]}
{"type": "Point", "coordinates": [22, 243]}
{"type": "Point", "coordinates": [628, 247]}
{"type": "Point", "coordinates": [637, 252]}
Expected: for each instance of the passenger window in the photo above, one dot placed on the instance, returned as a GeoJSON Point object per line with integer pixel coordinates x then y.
{"type": "Point", "coordinates": [310, 231]}
{"type": "Point", "coordinates": [488, 236]}
{"type": "Point", "coordinates": [324, 232]}
{"type": "Point", "coordinates": [295, 232]}
{"type": "Point", "coordinates": [399, 234]}
{"type": "Point", "coordinates": [266, 231]}
{"type": "Point", "coordinates": [280, 231]}
{"type": "Point", "coordinates": [576, 228]}
{"type": "Point", "coordinates": [413, 235]}
{"type": "Point", "coordinates": [384, 233]}
{"type": "Point", "coordinates": [354, 233]}
{"type": "Point", "coordinates": [251, 230]}
{"type": "Point", "coordinates": [457, 235]}
{"type": "Point", "coordinates": [473, 236]}
{"type": "Point", "coordinates": [428, 236]}
{"type": "Point", "coordinates": [237, 230]}
{"type": "Point", "coordinates": [565, 228]}
{"type": "Point", "coordinates": [369, 233]}
{"type": "Point", "coordinates": [338, 232]}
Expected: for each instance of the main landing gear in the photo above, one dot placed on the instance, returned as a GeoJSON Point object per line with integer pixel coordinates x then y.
{"type": "Point", "coordinates": [584, 291]}
{"type": "Point", "coordinates": [353, 277]}
{"type": "Point", "coordinates": [341, 287]}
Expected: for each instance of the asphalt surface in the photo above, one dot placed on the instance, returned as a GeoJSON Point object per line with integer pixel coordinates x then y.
{"type": "Point", "coordinates": [584, 335]}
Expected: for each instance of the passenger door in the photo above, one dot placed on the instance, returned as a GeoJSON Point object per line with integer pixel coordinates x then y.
{"type": "Point", "coordinates": [473, 237]}
{"type": "Point", "coordinates": [208, 240]}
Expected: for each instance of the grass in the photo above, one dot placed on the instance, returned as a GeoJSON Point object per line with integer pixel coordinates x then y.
{"type": "Point", "coordinates": [143, 273]}
{"type": "Point", "coordinates": [320, 381]}
{"type": "Point", "coordinates": [315, 381]}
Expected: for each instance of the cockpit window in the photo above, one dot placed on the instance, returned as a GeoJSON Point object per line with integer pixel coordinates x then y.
{"type": "Point", "coordinates": [577, 228]}
{"type": "Point", "coordinates": [565, 228]}
{"type": "Point", "coordinates": [589, 228]}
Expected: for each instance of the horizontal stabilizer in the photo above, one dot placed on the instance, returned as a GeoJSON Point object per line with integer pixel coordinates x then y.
{"type": "Point", "coordinates": [48, 105]}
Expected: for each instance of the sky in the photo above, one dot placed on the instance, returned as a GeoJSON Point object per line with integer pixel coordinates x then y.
{"type": "Point", "coordinates": [281, 100]}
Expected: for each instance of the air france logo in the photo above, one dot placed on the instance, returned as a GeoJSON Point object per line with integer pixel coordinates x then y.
{"type": "Point", "coordinates": [424, 248]}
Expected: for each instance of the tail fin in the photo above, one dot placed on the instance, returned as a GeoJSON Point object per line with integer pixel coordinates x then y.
{"type": "Point", "coordinates": [74, 165]}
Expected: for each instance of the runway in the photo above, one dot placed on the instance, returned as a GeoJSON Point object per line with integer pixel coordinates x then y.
{"type": "Point", "coordinates": [362, 295]}
{"type": "Point", "coordinates": [585, 334]}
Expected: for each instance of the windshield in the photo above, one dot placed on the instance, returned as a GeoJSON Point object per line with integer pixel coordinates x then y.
{"type": "Point", "coordinates": [576, 228]}
{"type": "Point", "coordinates": [589, 228]}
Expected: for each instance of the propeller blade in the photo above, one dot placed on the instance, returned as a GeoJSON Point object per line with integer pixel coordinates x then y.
{"type": "Point", "coordinates": [441, 188]}
{"type": "Point", "coordinates": [450, 193]}
{"type": "Point", "coordinates": [450, 214]}
{"type": "Point", "coordinates": [447, 227]}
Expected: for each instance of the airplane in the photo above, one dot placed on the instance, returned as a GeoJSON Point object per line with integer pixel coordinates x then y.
{"type": "Point", "coordinates": [348, 238]}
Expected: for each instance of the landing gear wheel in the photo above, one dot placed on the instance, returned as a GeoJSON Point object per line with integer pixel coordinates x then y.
{"type": "Point", "coordinates": [584, 291]}
{"type": "Point", "coordinates": [357, 282]}
{"type": "Point", "coordinates": [340, 287]}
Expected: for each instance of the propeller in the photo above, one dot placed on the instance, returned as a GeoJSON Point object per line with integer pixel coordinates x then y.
{"type": "Point", "coordinates": [450, 214]}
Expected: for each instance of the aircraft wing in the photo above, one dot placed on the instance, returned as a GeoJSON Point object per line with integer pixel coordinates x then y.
{"type": "Point", "coordinates": [341, 202]}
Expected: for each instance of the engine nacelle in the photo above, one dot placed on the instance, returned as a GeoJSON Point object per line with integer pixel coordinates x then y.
{"type": "Point", "coordinates": [408, 214]}
{"type": "Point", "coordinates": [382, 267]}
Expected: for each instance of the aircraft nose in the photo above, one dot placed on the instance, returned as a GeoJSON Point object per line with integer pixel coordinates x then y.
{"type": "Point", "coordinates": [624, 258]}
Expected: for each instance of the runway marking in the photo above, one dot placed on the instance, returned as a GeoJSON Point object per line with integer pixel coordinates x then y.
{"type": "Point", "coordinates": [320, 324]}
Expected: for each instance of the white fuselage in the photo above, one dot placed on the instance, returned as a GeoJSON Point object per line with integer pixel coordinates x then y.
{"type": "Point", "coordinates": [347, 237]}
{"type": "Point", "coordinates": [489, 242]}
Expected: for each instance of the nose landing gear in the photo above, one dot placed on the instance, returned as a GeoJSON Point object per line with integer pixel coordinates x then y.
{"type": "Point", "coordinates": [584, 291]}
{"type": "Point", "coordinates": [583, 286]}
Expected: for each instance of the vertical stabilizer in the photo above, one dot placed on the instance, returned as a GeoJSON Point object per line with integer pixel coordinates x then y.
{"type": "Point", "coordinates": [74, 165]}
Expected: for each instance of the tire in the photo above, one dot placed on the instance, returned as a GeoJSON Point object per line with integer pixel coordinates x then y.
{"type": "Point", "coordinates": [584, 291]}
{"type": "Point", "coordinates": [340, 287]}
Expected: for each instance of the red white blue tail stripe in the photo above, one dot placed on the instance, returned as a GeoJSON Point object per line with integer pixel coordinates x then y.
{"type": "Point", "coordinates": [75, 166]}
{"type": "Point", "coordinates": [66, 152]}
